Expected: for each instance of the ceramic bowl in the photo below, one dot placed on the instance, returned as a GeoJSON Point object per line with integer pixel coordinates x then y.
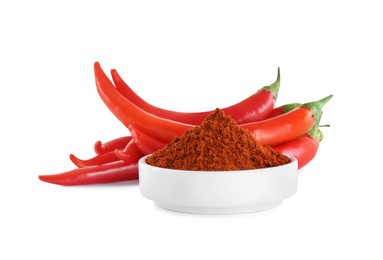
{"type": "Point", "coordinates": [218, 192]}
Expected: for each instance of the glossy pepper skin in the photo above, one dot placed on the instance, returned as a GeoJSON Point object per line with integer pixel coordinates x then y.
{"type": "Point", "coordinates": [96, 160]}
{"type": "Point", "coordinates": [288, 126]}
{"type": "Point", "coordinates": [110, 146]}
{"type": "Point", "coordinates": [131, 115]}
{"type": "Point", "coordinates": [282, 110]}
{"type": "Point", "coordinates": [146, 144]}
{"type": "Point", "coordinates": [117, 159]}
{"type": "Point", "coordinates": [254, 108]}
{"type": "Point", "coordinates": [142, 139]}
{"type": "Point", "coordinates": [130, 153]}
{"type": "Point", "coordinates": [105, 173]}
{"type": "Point", "coordinates": [270, 132]}
{"type": "Point", "coordinates": [304, 148]}
{"type": "Point", "coordinates": [273, 131]}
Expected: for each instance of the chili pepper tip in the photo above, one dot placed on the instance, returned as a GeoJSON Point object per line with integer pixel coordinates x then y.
{"type": "Point", "coordinates": [97, 147]}
{"type": "Point", "coordinates": [76, 161]}
{"type": "Point", "coordinates": [48, 179]}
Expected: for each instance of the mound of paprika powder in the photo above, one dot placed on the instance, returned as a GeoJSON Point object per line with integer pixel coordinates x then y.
{"type": "Point", "coordinates": [217, 144]}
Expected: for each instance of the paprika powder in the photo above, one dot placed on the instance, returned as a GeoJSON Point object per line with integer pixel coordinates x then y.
{"type": "Point", "coordinates": [217, 144]}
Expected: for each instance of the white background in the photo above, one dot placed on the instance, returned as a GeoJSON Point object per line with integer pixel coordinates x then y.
{"type": "Point", "coordinates": [187, 56]}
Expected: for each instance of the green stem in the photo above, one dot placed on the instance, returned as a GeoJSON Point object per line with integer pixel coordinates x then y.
{"type": "Point", "coordinates": [274, 88]}
{"type": "Point", "coordinates": [319, 135]}
{"type": "Point", "coordinates": [316, 107]}
{"type": "Point", "coordinates": [288, 107]}
{"type": "Point", "coordinates": [316, 133]}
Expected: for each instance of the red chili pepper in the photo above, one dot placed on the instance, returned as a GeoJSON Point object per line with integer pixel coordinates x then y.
{"type": "Point", "coordinates": [129, 114]}
{"type": "Point", "coordinates": [130, 153]}
{"type": "Point", "coordinates": [282, 110]}
{"type": "Point", "coordinates": [97, 160]}
{"type": "Point", "coordinates": [146, 144]}
{"type": "Point", "coordinates": [304, 148]}
{"type": "Point", "coordinates": [110, 146]}
{"type": "Point", "coordinates": [289, 126]}
{"type": "Point", "coordinates": [105, 173]}
{"type": "Point", "coordinates": [254, 108]}
{"type": "Point", "coordinates": [272, 132]}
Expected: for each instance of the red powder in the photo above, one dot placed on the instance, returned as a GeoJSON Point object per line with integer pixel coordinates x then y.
{"type": "Point", "coordinates": [217, 144]}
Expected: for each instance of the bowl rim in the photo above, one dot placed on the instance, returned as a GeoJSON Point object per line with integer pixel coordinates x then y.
{"type": "Point", "coordinates": [142, 163]}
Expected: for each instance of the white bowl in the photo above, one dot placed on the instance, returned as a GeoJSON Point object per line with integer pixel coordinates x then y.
{"type": "Point", "coordinates": [218, 192]}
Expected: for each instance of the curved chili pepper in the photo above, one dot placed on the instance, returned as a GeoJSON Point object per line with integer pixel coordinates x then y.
{"type": "Point", "coordinates": [282, 110]}
{"type": "Point", "coordinates": [254, 108]}
{"type": "Point", "coordinates": [271, 132]}
{"type": "Point", "coordinates": [283, 129]}
{"type": "Point", "coordinates": [97, 160]}
{"type": "Point", "coordinates": [146, 144]}
{"type": "Point", "coordinates": [289, 126]}
{"type": "Point", "coordinates": [110, 146]}
{"type": "Point", "coordinates": [105, 173]}
{"type": "Point", "coordinates": [304, 148]}
{"type": "Point", "coordinates": [130, 153]}
{"type": "Point", "coordinates": [129, 114]}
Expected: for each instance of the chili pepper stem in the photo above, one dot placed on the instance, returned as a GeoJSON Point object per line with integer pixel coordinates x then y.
{"type": "Point", "coordinates": [274, 88]}
{"type": "Point", "coordinates": [288, 107]}
{"type": "Point", "coordinates": [320, 135]}
{"type": "Point", "coordinates": [314, 132]}
{"type": "Point", "coordinates": [316, 107]}
{"type": "Point", "coordinates": [277, 111]}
